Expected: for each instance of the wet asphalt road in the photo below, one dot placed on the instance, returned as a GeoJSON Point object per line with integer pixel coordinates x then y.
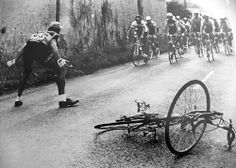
{"type": "Point", "coordinates": [40, 135]}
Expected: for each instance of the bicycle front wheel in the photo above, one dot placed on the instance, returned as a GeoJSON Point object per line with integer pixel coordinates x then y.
{"type": "Point", "coordinates": [136, 55]}
{"type": "Point", "coordinates": [157, 52]}
{"type": "Point", "coordinates": [182, 132]}
{"type": "Point", "coordinates": [121, 125]}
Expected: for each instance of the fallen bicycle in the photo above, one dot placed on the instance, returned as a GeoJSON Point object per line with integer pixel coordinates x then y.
{"type": "Point", "coordinates": [185, 123]}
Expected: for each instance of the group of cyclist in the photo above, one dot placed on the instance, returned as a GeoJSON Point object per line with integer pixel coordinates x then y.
{"type": "Point", "coordinates": [145, 30]}
{"type": "Point", "coordinates": [42, 47]}
{"type": "Point", "coordinates": [185, 30]}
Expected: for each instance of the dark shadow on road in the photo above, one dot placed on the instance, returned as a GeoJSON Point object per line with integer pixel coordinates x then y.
{"type": "Point", "coordinates": [46, 117]}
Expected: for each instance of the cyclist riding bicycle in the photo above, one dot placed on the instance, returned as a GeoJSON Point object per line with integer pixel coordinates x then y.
{"type": "Point", "coordinates": [152, 30]}
{"type": "Point", "coordinates": [225, 29]}
{"type": "Point", "coordinates": [216, 25]}
{"type": "Point", "coordinates": [207, 25]}
{"type": "Point", "coordinates": [152, 26]}
{"type": "Point", "coordinates": [181, 33]}
{"type": "Point", "coordinates": [187, 25]}
{"type": "Point", "coordinates": [43, 48]}
{"type": "Point", "coordinates": [196, 23]}
{"type": "Point", "coordinates": [171, 24]}
{"type": "Point", "coordinates": [188, 31]}
{"type": "Point", "coordinates": [180, 26]}
{"type": "Point", "coordinates": [224, 25]}
{"type": "Point", "coordinates": [139, 27]}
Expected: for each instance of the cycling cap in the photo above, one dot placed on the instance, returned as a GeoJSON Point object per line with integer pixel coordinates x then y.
{"type": "Point", "coordinates": [178, 17]}
{"type": "Point", "coordinates": [206, 16]}
{"type": "Point", "coordinates": [55, 24]}
{"type": "Point", "coordinates": [138, 17]}
{"type": "Point", "coordinates": [148, 18]}
{"type": "Point", "coordinates": [169, 15]}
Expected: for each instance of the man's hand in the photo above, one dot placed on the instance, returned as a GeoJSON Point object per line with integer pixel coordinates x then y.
{"type": "Point", "coordinates": [61, 62]}
{"type": "Point", "coordinates": [11, 62]}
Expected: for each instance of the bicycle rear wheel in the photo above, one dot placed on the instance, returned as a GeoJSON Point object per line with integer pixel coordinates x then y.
{"type": "Point", "coordinates": [183, 132]}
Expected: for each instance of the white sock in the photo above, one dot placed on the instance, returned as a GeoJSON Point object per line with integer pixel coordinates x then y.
{"type": "Point", "coordinates": [62, 97]}
{"type": "Point", "coordinates": [18, 98]}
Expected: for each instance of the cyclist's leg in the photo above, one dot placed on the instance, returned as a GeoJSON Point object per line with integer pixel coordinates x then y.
{"type": "Point", "coordinates": [27, 68]}
{"type": "Point", "coordinates": [60, 73]}
{"type": "Point", "coordinates": [60, 81]}
{"type": "Point", "coordinates": [23, 77]}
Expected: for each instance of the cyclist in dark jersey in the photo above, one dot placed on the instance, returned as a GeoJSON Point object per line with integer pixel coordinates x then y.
{"type": "Point", "coordinates": [152, 26]}
{"type": "Point", "coordinates": [42, 47]}
{"type": "Point", "coordinates": [207, 25]}
{"type": "Point", "coordinates": [196, 23]}
{"type": "Point", "coordinates": [216, 25]}
{"type": "Point", "coordinates": [225, 29]}
{"type": "Point", "coordinates": [224, 25]}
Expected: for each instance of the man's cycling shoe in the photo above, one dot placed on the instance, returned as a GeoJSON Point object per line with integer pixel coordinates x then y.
{"type": "Point", "coordinates": [68, 103]}
{"type": "Point", "coordinates": [18, 103]}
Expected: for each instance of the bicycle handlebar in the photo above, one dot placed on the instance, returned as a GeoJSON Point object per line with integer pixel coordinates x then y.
{"type": "Point", "coordinates": [142, 106]}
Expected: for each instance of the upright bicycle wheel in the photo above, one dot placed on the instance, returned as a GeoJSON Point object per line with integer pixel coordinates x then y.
{"type": "Point", "coordinates": [183, 131]}
{"type": "Point", "coordinates": [227, 49]}
{"type": "Point", "coordinates": [150, 51]}
{"type": "Point", "coordinates": [157, 52]}
{"type": "Point", "coordinates": [216, 47]}
{"type": "Point", "coordinates": [170, 54]}
{"type": "Point", "coordinates": [209, 53]}
{"type": "Point", "coordinates": [212, 53]}
{"type": "Point", "coordinates": [201, 49]}
{"type": "Point", "coordinates": [136, 55]}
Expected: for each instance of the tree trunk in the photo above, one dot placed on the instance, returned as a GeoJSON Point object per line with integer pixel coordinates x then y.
{"type": "Point", "coordinates": [140, 7]}
{"type": "Point", "coordinates": [58, 10]}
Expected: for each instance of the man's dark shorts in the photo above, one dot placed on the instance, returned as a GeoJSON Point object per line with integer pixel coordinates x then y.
{"type": "Point", "coordinates": [40, 53]}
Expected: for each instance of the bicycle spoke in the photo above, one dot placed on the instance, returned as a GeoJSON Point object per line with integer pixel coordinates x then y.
{"type": "Point", "coordinates": [184, 132]}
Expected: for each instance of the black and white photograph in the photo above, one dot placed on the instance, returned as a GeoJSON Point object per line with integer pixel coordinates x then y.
{"type": "Point", "coordinates": [117, 83]}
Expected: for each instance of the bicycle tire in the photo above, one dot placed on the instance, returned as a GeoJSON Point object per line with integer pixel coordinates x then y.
{"type": "Point", "coordinates": [120, 125]}
{"type": "Point", "coordinates": [169, 142]}
{"type": "Point", "coordinates": [212, 53]}
{"type": "Point", "coordinates": [157, 52]}
{"type": "Point", "coordinates": [217, 49]}
{"type": "Point", "coordinates": [228, 49]}
{"type": "Point", "coordinates": [202, 49]}
{"type": "Point", "coordinates": [208, 53]}
{"type": "Point", "coordinates": [136, 58]}
{"type": "Point", "coordinates": [150, 51]}
{"type": "Point", "coordinates": [170, 54]}
{"type": "Point", "coordinates": [176, 59]}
